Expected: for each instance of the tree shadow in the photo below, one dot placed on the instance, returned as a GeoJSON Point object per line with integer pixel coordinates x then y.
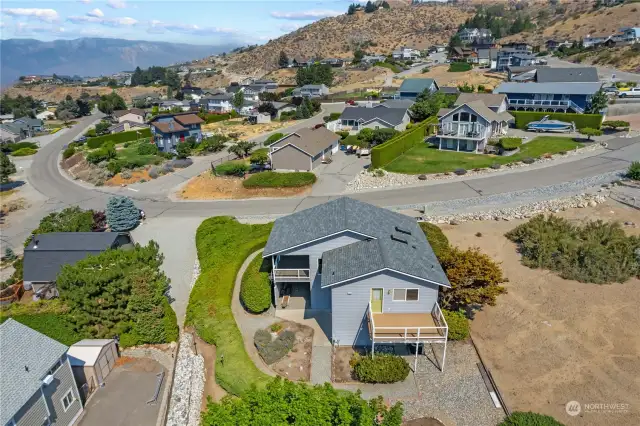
{"type": "Point", "coordinates": [11, 185]}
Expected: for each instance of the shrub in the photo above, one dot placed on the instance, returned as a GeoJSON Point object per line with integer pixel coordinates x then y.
{"type": "Point", "coordinates": [91, 133]}
{"type": "Point", "coordinates": [275, 327]}
{"type": "Point", "coordinates": [68, 152]}
{"type": "Point", "coordinates": [14, 146]}
{"type": "Point", "coordinates": [114, 166]}
{"type": "Point", "coordinates": [54, 325]}
{"type": "Point", "coordinates": [385, 153]}
{"type": "Point", "coordinates": [474, 277]}
{"type": "Point", "coordinates": [458, 324]}
{"type": "Point", "coordinates": [181, 163]}
{"type": "Point", "coordinates": [102, 154]}
{"type": "Point", "coordinates": [528, 160]}
{"type": "Point", "coordinates": [279, 180]}
{"type": "Point", "coordinates": [71, 219]}
{"type": "Point", "coordinates": [596, 252]}
{"type": "Point", "coordinates": [459, 67]}
{"type": "Point", "coordinates": [147, 149]}
{"type": "Point", "coordinates": [582, 120]}
{"type": "Point", "coordinates": [437, 240]}
{"type": "Point", "coordinates": [232, 168]}
{"type": "Point", "coordinates": [616, 124]}
{"type": "Point", "coordinates": [122, 214]}
{"type": "Point", "coordinates": [510, 144]}
{"type": "Point", "coordinates": [589, 132]}
{"type": "Point", "coordinates": [23, 152]}
{"type": "Point", "coordinates": [273, 138]}
{"type": "Point", "coordinates": [343, 135]}
{"type": "Point", "coordinates": [519, 418]}
{"type": "Point", "coordinates": [274, 350]}
{"type": "Point", "coordinates": [255, 289]}
{"type": "Point", "coordinates": [259, 157]}
{"type": "Point", "coordinates": [634, 171]}
{"type": "Point", "coordinates": [383, 368]}
{"type": "Point", "coordinates": [460, 171]}
{"type": "Point", "coordinates": [122, 137]}
{"type": "Point", "coordinates": [126, 174]}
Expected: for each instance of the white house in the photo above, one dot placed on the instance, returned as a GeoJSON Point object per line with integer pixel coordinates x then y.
{"type": "Point", "coordinates": [135, 115]}
{"type": "Point", "coordinates": [405, 52]}
{"type": "Point", "coordinates": [221, 103]}
{"type": "Point", "coordinates": [594, 39]}
{"type": "Point", "coordinates": [45, 115]}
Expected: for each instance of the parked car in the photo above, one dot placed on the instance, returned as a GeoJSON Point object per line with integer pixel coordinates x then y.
{"type": "Point", "coordinates": [611, 90]}
{"type": "Point", "coordinates": [634, 92]}
{"type": "Point", "coordinates": [362, 152]}
{"type": "Point", "coordinates": [350, 102]}
{"type": "Point", "coordinates": [317, 126]}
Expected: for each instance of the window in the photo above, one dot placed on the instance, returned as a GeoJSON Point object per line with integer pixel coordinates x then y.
{"type": "Point", "coordinates": [474, 118]}
{"type": "Point", "coordinates": [464, 116]}
{"type": "Point", "coordinates": [67, 399]}
{"type": "Point", "coordinates": [55, 367]}
{"type": "Point", "coordinates": [456, 117]}
{"type": "Point", "coordinates": [405, 294]}
{"type": "Point", "coordinates": [319, 266]}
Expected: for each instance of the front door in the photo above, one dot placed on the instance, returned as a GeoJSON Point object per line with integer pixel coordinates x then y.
{"type": "Point", "coordinates": [376, 300]}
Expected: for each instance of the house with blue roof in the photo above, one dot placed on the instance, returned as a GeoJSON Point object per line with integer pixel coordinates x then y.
{"type": "Point", "coordinates": [412, 87]}
{"type": "Point", "coordinates": [371, 271]}
{"type": "Point", "coordinates": [549, 97]}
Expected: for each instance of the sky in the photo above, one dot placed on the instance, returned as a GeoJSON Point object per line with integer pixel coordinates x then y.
{"type": "Point", "coordinates": [205, 22]}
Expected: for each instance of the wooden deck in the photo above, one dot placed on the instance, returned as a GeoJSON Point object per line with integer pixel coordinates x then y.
{"type": "Point", "coordinates": [400, 326]}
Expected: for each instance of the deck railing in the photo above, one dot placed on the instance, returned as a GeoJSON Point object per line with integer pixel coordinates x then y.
{"type": "Point", "coordinates": [546, 103]}
{"type": "Point", "coordinates": [291, 274]}
{"type": "Point", "coordinates": [473, 131]}
{"type": "Point", "coordinates": [410, 333]}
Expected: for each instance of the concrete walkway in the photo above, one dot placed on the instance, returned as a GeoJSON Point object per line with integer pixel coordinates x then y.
{"type": "Point", "coordinates": [248, 323]}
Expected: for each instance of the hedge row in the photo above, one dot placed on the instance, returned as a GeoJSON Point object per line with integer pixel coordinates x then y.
{"type": "Point", "coordinates": [384, 368]}
{"type": "Point", "coordinates": [582, 120]}
{"type": "Point", "coordinates": [255, 290]}
{"type": "Point", "coordinates": [385, 153]}
{"type": "Point", "coordinates": [279, 180]}
{"type": "Point", "coordinates": [132, 135]}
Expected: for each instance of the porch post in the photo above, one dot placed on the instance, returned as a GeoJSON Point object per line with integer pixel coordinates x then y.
{"type": "Point", "coordinates": [415, 360]}
{"type": "Point", "coordinates": [439, 143]}
{"type": "Point", "coordinates": [444, 355]}
{"type": "Point", "coordinates": [373, 343]}
{"type": "Point", "coordinates": [458, 145]}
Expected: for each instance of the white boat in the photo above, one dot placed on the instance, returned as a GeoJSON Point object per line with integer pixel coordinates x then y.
{"type": "Point", "coordinates": [546, 125]}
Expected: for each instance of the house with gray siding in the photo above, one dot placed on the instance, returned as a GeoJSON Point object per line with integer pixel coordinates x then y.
{"type": "Point", "coordinates": [392, 114]}
{"type": "Point", "coordinates": [372, 269]}
{"type": "Point", "coordinates": [412, 87]}
{"type": "Point", "coordinates": [303, 150]}
{"type": "Point", "coordinates": [36, 380]}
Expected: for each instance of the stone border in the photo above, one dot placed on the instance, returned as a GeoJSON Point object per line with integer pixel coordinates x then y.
{"type": "Point", "coordinates": [186, 395]}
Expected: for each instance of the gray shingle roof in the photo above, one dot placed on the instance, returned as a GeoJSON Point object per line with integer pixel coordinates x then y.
{"type": "Point", "coordinates": [346, 214]}
{"type": "Point", "coordinates": [397, 103]}
{"type": "Point", "coordinates": [575, 75]}
{"type": "Point", "coordinates": [416, 85]}
{"type": "Point", "coordinates": [489, 99]}
{"type": "Point", "coordinates": [393, 116]}
{"type": "Point", "coordinates": [20, 347]}
{"type": "Point", "coordinates": [62, 248]}
{"type": "Point", "coordinates": [557, 88]}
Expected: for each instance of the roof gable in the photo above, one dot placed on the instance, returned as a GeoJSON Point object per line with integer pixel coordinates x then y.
{"type": "Point", "coordinates": [416, 85]}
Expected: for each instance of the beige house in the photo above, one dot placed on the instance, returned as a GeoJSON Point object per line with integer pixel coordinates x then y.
{"type": "Point", "coordinates": [135, 115]}
{"type": "Point", "coordinates": [303, 150]}
{"type": "Point", "coordinates": [92, 360]}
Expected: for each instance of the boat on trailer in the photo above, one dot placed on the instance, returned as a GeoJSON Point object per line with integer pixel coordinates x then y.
{"type": "Point", "coordinates": [547, 125]}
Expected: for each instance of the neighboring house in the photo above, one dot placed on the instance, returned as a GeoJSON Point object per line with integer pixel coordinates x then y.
{"type": "Point", "coordinates": [372, 59]}
{"type": "Point", "coordinates": [6, 118]}
{"type": "Point", "coordinates": [38, 387]}
{"type": "Point", "coordinates": [522, 74]}
{"type": "Point", "coordinates": [469, 35]}
{"type": "Point", "coordinates": [283, 107]}
{"type": "Point", "coordinates": [371, 269]}
{"type": "Point", "coordinates": [487, 58]}
{"type": "Point", "coordinates": [549, 97]}
{"type": "Point", "coordinates": [168, 130]}
{"type": "Point", "coordinates": [9, 133]}
{"type": "Point", "coordinates": [135, 115]}
{"type": "Point", "coordinates": [553, 45]}
{"type": "Point", "coordinates": [46, 254]}
{"type": "Point", "coordinates": [595, 39]}
{"type": "Point", "coordinates": [566, 75]}
{"type": "Point", "coordinates": [483, 43]}
{"type": "Point", "coordinates": [29, 126]}
{"type": "Point", "coordinates": [519, 46]}
{"type": "Point", "coordinates": [91, 361]}
{"type": "Point", "coordinates": [270, 85]}
{"type": "Point", "coordinates": [259, 118]}
{"type": "Point", "coordinates": [406, 53]}
{"type": "Point", "coordinates": [628, 35]}
{"type": "Point", "coordinates": [147, 98]}
{"type": "Point", "coordinates": [474, 119]}
{"type": "Point", "coordinates": [125, 126]}
{"type": "Point", "coordinates": [45, 115]}
{"type": "Point", "coordinates": [303, 150]}
{"type": "Point", "coordinates": [195, 92]}
{"type": "Point", "coordinates": [333, 62]}
{"type": "Point", "coordinates": [512, 57]}
{"type": "Point", "coordinates": [171, 104]}
{"type": "Point", "coordinates": [384, 116]}
{"type": "Point", "coordinates": [412, 87]}
{"type": "Point", "coordinates": [461, 53]}
{"type": "Point", "coordinates": [220, 104]}
{"type": "Point", "coordinates": [449, 90]}
{"type": "Point", "coordinates": [311, 91]}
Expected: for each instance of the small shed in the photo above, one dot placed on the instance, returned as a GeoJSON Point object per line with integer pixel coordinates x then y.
{"type": "Point", "coordinates": [92, 360]}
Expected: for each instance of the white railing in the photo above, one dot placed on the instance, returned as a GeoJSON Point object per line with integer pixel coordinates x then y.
{"type": "Point", "coordinates": [411, 333]}
{"type": "Point", "coordinates": [546, 103]}
{"type": "Point", "coordinates": [471, 130]}
{"type": "Point", "coordinates": [290, 274]}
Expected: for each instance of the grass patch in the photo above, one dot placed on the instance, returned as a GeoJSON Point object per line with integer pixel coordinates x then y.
{"type": "Point", "coordinates": [233, 168]}
{"type": "Point", "coordinates": [23, 152]}
{"type": "Point", "coordinates": [460, 67]}
{"type": "Point", "coordinates": [426, 159]}
{"type": "Point", "coordinates": [223, 244]}
{"type": "Point", "coordinates": [351, 140]}
{"type": "Point", "coordinates": [279, 180]}
{"type": "Point", "coordinates": [255, 291]}
{"type": "Point", "coordinates": [596, 252]}
{"type": "Point", "coordinates": [129, 157]}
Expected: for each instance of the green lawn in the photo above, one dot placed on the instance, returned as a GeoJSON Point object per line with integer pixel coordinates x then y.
{"type": "Point", "coordinates": [279, 180]}
{"type": "Point", "coordinates": [130, 156]}
{"type": "Point", "coordinates": [351, 140]}
{"type": "Point", "coordinates": [425, 159]}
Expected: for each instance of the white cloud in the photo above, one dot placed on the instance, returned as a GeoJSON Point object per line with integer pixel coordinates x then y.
{"type": "Point", "coordinates": [306, 15]}
{"type": "Point", "coordinates": [95, 13]}
{"type": "Point", "coordinates": [110, 22]}
{"type": "Point", "coordinates": [44, 15]}
{"type": "Point", "coordinates": [159, 27]}
{"type": "Point", "coordinates": [24, 28]}
{"type": "Point", "coordinates": [289, 27]}
{"type": "Point", "coordinates": [116, 4]}
{"type": "Point", "coordinates": [85, 1]}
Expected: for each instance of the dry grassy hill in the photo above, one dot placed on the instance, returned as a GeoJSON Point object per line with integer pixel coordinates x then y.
{"type": "Point", "coordinates": [419, 26]}
{"type": "Point", "coordinates": [56, 93]}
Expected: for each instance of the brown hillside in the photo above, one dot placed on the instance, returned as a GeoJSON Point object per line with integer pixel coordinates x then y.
{"type": "Point", "coordinates": [55, 93]}
{"type": "Point", "coordinates": [581, 21]}
{"type": "Point", "coordinates": [417, 26]}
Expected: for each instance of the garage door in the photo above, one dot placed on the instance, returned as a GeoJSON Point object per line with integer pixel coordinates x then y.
{"type": "Point", "coordinates": [105, 363]}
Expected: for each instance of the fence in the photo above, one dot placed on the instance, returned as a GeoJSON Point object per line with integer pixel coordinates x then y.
{"type": "Point", "coordinates": [11, 294]}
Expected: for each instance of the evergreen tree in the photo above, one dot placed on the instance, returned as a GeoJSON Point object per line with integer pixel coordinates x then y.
{"type": "Point", "coordinates": [370, 7]}
{"type": "Point", "coordinates": [137, 78]}
{"type": "Point", "coordinates": [122, 214]}
{"type": "Point", "coordinates": [238, 99]}
{"type": "Point", "coordinates": [283, 61]}
{"type": "Point", "coordinates": [385, 5]}
{"type": "Point", "coordinates": [599, 101]}
{"type": "Point", "coordinates": [7, 168]}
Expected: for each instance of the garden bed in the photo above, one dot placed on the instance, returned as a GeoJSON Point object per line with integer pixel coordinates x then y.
{"type": "Point", "coordinates": [296, 364]}
{"type": "Point", "coordinates": [209, 187]}
{"type": "Point", "coordinates": [342, 367]}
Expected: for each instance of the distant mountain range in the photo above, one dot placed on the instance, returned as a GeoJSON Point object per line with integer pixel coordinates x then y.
{"type": "Point", "coordinates": [92, 56]}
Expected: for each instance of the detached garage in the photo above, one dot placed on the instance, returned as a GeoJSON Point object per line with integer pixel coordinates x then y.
{"type": "Point", "coordinates": [303, 150]}
{"type": "Point", "coordinates": [92, 360]}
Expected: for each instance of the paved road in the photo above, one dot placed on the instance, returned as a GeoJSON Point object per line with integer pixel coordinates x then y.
{"type": "Point", "coordinates": [604, 73]}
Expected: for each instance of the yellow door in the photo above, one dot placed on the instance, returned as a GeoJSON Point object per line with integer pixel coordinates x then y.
{"type": "Point", "coordinates": [376, 300]}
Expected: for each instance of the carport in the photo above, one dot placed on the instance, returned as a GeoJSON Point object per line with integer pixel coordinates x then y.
{"type": "Point", "coordinates": [91, 361]}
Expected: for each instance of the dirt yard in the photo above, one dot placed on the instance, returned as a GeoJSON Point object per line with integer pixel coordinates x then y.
{"type": "Point", "coordinates": [452, 79]}
{"type": "Point", "coordinates": [10, 201]}
{"type": "Point", "coordinates": [211, 388]}
{"type": "Point", "coordinates": [136, 176]}
{"type": "Point", "coordinates": [342, 371]}
{"type": "Point", "coordinates": [549, 341]}
{"type": "Point", "coordinates": [209, 187]}
{"type": "Point", "coordinates": [297, 364]}
{"type": "Point", "coordinates": [243, 130]}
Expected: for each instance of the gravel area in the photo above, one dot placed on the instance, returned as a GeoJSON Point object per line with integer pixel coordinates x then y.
{"type": "Point", "coordinates": [188, 385]}
{"type": "Point", "coordinates": [366, 180]}
{"type": "Point", "coordinates": [457, 395]}
{"type": "Point", "coordinates": [196, 273]}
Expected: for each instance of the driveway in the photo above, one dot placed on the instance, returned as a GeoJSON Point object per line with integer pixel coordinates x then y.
{"type": "Point", "coordinates": [333, 177]}
{"type": "Point", "coordinates": [123, 399]}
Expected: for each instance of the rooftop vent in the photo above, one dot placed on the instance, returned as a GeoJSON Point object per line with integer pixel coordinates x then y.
{"type": "Point", "coordinates": [398, 239]}
{"type": "Point", "coordinates": [402, 230]}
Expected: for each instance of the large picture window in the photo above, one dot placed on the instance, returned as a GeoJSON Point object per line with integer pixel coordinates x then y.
{"type": "Point", "coordinates": [405, 294]}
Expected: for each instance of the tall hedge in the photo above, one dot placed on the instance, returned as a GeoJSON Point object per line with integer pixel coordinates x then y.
{"type": "Point", "coordinates": [132, 135]}
{"type": "Point", "coordinates": [255, 290]}
{"type": "Point", "coordinates": [582, 120]}
{"type": "Point", "coordinates": [385, 153]}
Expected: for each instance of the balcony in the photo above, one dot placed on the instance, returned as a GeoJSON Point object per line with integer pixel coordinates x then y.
{"type": "Point", "coordinates": [474, 131]}
{"type": "Point", "coordinates": [408, 327]}
{"type": "Point", "coordinates": [291, 268]}
{"type": "Point", "coordinates": [541, 104]}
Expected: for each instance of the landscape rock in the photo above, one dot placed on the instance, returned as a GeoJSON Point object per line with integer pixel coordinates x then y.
{"type": "Point", "coordinates": [188, 386]}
